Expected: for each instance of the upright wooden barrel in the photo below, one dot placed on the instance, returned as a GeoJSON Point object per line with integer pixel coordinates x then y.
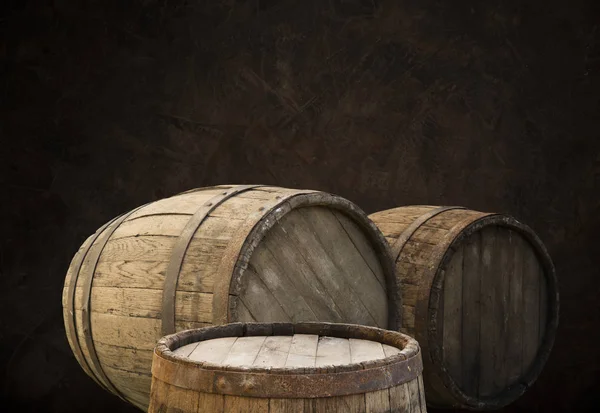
{"type": "Point", "coordinates": [217, 255]}
{"type": "Point", "coordinates": [479, 293]}
{"type": "Point", "coordinates": [282, 367]}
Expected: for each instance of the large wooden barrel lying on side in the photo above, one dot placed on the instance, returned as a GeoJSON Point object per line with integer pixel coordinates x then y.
{"type": "Point", "coordinates": [218, 255]}
{"type": "Point", "coordinates": [479, 293]}
{"type": "Point", "coordinates": [282, 367]}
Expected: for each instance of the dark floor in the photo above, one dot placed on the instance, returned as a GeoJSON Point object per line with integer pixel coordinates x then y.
{"type": "Point", "coordinates": [106, 105]}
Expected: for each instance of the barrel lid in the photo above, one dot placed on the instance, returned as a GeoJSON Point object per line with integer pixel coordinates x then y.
{"type": "Point", "coordinates": [299, 350]}
{"type": "Point", "coordinates": [514, 294]}
{"type": "Point", "coordinates": [301, 360]}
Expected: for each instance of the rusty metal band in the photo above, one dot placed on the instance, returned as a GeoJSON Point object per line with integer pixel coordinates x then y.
{"type": "Point", "coordinates": [297, 385]}
{"type": "Point", "coordinates": [87, 290]}
{"type": "Point", "coordinates": [414, 226]}
{"type": "Point", "coordinates": [180, 248]}
{"type": "Point", "coordinates": [71, 322]}
{"type": "Point", "coordinates": [232, 252]}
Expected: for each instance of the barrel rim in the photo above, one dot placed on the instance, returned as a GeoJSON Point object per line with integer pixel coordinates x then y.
{"type": "Point", "coordinates": [436, 274]}
{"type": "Point", "coordinates": [273, 214]}
{"type": "Point", "coordinates": [304, 382]}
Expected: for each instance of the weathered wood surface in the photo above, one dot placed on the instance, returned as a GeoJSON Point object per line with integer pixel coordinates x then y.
{"type": "Point", "coordinates": [300, 350]}
{"type": "Point", "coordinates": [338, 348]}
{"type": "Point", "coordinates": [479, 293]}
{"type": "Point", "coordinates": [303, 351]}
{"type": "Point", "coordinates": [260, 253]}
{"type": "Point", "coordinates": [471, 325]}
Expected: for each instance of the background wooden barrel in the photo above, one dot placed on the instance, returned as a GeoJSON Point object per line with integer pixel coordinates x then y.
{"type": "Point", "coordinates": [216, 255]}
{"type": "Point", "coordinates": [479, 293]}
{"type": "Point", "coordinates": [282, 367]}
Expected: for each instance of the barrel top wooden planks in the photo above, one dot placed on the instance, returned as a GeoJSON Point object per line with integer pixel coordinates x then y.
{"type": "Point", "coordinates": [281, 367]}
{"type": "Point", "coordinates": [217, 255]}
{"type": "Point", "coordinates": [479, 293]}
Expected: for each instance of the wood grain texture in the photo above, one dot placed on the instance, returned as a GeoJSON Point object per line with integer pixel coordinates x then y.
{"type": "Point", "coordinates": [290, 405]}
{"type": "Point", "coordinates": [423, 400]}
{"type": "Point", "coordinates": [354, 404]}
{"type": "Point", "coordinates": [414, 392]}
{"type": "Point", "coordinates": [246, 404]}
{"type": "Point", "coordinates": [255, 299]}
{"type": "Point", "coordinates": [277, 278]}
{"type": "Point", "coordinates": [361, 243]}
{"type": "Point", "coordinates": [274, 352]}
{"type": "Point", "coordinates": [389, 350]}
{"type": "Point", "coordinates": [332, 351]}
{"type": "Point", "coordinates": [531, 307]}
{"type": "Point", "coordinates": [281, 282]}
{"type": "Point", "coordinates": [505, 270]}
{"type": "Point", "coordinates": [489, 310]}
{"type": "Point", "coordinates": [400, 396]}
{"type": "Point", "coordinates": [286, 351]}
{"type": "Point", "coordinates": [186, 350]}
{"type": "Point", "coordinates": [135, 382]}
{"type": "Point", "coordinates": [303, 351]}
{"type": "Point", "coordinates": [283, 250]}
{"type": "Point", "coordinates": [471, 325]}
{"type": "Point", "coordinates": [324, 253]}
{"type": "Point", "coordinates": [348, 255]}
{"type": "Point", "coordinates": [481, 332]}
{"type": "Point", "coordinates": [544, 310]}
{"type": "Point", "coordinates": [125, 358]}
{"type": "Point", "coordinates": [214, 351]}
{"type": "Point", "coordinates": [378, 401]}
{"type": "Point", "coordinates": [159, 395]}
{"type": "Point", "coordinates": [453, 316]}
{"type": "Point", "coordinates": [365, 350]}
{"type": "Point", "coordinates": [211, 402]}
{"type": "Point", "coordinates": [183, 400]}
{"type": "Point", "coordinates": [514, 360]}
{"type": "Point", "coordinates": [140, 302]}
{"type": "Point", "coordinates": [243, 314]}
{"type": "Point", "coordinates": [244, 351]}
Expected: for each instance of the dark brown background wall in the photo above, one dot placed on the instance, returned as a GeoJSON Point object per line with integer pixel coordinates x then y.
{"type": "Point", "coordinates": [110, 104]}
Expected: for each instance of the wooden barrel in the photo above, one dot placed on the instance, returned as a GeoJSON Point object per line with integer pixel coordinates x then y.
{"type": "Point", "coordinates": [217, 255]}
{"type": "Point", "coordinates": [479, 293]}
{"type": "Point", "coordinates": [284, 367]}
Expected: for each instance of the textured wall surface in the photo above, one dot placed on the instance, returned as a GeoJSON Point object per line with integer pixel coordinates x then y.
{"type": "Point", "coordinates": [106, 105]}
